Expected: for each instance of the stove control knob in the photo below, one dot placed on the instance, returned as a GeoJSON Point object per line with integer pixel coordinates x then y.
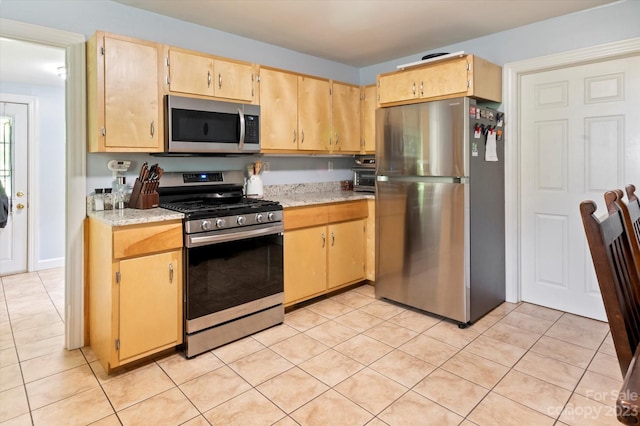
{"type": "Point", "coordinates": [259, 218]}
{"type": "Point", "coordinates": [206, 225]}
{"type": "Point", "coordinates": [271, 217]}
{"type": "Point", "coordinates": [220, 223]}
{"type": "Point", "coordinates": [241, 220]}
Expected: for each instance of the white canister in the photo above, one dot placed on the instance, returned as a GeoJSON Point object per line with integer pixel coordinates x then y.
{"type": "Point", "coordinates": [254, 186]}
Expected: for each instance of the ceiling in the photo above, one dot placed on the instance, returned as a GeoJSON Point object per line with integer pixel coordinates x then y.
{"type": "Point", "coordinates": [30, 63]}
{"type": "Point", "coordinates": [363, 32]}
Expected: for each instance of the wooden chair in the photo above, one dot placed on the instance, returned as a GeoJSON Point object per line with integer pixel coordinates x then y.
{"type": "Point", "coordinates": [630, 216]}
{"type": "Point", "coordinates": [619, 281]}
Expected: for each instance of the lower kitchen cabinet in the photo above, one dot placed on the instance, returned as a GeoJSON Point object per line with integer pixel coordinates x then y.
{"type": "Point", "coordinates": [371, 241]}
{"type": "Point", "coordinates": [346, 243]}
{"type": "Point", "coordinates": [324, 248]}
{"type": "Point", "coordinates": [135, 290]}
{"type": "Point", "coordinates": [305, 263]}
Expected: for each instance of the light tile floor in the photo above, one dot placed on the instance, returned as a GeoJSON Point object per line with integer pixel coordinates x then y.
{"type": "Point", "coordinates": [348, 359]}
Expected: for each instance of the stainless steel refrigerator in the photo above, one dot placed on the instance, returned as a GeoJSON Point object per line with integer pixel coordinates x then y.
{"type": "Point", "coordinates": [440, 207]}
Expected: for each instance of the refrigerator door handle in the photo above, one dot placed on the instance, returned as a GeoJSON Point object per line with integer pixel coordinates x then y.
{"type": "Point", "coordinates": [430, 179]}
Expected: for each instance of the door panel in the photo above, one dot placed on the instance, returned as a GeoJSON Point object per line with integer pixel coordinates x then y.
{"type": "Point", "coordinates": [13, 175]}
{"type": "Point", "coordinates": [577, 141]}
{"type": "Point", "coordinates": [149, 298]}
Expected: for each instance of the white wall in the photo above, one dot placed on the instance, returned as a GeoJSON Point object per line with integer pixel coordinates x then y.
{"type": "Point", "coordinates": [605, 24]}
{"type": "Point", "coordinates": [50, 230]}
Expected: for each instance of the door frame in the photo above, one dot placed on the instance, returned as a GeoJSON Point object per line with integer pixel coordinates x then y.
{"type": "Point", "coordinates": [76, 157]}
{"type": "Point", "coordinates": [33, 170]}
{"type": "Point", "coordinates": [511, 88]}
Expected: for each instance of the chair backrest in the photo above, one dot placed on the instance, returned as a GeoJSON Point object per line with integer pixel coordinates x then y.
{"type": "Point", "coordinates": [618, 278]}
{"type": "Point", "coordinates": [634, 211]}
{"type": "Point", "coordinates": [630, 216]}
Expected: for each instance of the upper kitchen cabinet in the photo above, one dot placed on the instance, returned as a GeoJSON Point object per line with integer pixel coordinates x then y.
{"type": "Point", "coordinates": [124, 100]}
{"type": "Point", "coordinates": [199, 74]}
{"type": "Point", "coordinates": [295, 112]}
{"type": "Point", "coordinates": [462, 76]}
{"type": "Point", "coordinates": [345, 118]}
{"type": "Point", "coordinates": [368, 102]}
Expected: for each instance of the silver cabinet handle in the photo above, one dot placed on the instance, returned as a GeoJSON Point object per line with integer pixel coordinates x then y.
{"type": "Point", "coordinates": [337, 138]}
{"type": "Point", "coordinates": [208, 78]}
{"type": "Point", "coordinates": [302, 140]}
{"type": "Point", "coordinates": [421, 88]}
{"type": "Point", "coordinates": [152, 130]}
{"type": "Point", "coordinates": [219, 81]}
{"type": "Point", "coordinates": [324, 240]}
{"type": "Point", "coordinates": [333, 239]}
{"type": "Point", "coordinates": [171, 272]}
{"type": "Point", "coordinates": [413, 89]}
{"type": "Point", "coordinates": [295, 136]}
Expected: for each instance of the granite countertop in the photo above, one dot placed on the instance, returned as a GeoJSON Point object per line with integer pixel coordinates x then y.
{"type": "Point", "coordinates": [290, 195]}
{"type": "Point", "coordinates": [134, 216]}
{"type": "Point", "coordinates": [304, 194]}
{"type": "Point", "coordinates": [321, 197]}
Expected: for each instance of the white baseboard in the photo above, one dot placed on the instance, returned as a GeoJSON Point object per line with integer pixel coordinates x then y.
{"type": "Point", "coordinates": [50, 264]}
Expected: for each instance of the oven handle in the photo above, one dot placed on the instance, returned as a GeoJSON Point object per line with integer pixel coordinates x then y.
{"type": "Point", "coordinates": [219, 237]}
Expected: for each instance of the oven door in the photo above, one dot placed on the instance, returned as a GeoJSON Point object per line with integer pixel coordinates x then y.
{"type": "Point", "coordinates": [232, 273]}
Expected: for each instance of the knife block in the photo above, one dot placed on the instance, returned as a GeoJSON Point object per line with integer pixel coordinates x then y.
{"type": "Point", "coordinates": [138, 200]}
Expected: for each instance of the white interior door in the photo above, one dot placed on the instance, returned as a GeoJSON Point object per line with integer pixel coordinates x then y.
{"type": "Point", "coordinates": [14, 178]}
{"type": "Point", "coordinates": [580, 137]}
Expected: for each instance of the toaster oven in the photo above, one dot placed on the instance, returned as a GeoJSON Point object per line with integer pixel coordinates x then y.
{"type": "Point", "coordinates": [364, 174]}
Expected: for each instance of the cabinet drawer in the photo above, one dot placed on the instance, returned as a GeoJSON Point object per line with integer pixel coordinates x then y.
{"type": "Point", "coordinates": [348, 211]}
{"type": "Point", "coordinates": [145, 239]}
{"type": "Point", "coordinates": [303, 217]}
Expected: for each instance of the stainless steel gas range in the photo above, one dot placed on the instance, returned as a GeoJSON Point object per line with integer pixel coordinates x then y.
{"type": "Point", "coordinates": [234, 282]}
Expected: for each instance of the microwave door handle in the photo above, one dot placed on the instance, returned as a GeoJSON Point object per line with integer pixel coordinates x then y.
{"type": "Point", "coordinates": [241, 143]}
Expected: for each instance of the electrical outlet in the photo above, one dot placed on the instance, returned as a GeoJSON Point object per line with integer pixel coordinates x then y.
{"type": "Point", "coordinates": [266, 167]}
{"type": "Point", "coordinates": [330, 165]}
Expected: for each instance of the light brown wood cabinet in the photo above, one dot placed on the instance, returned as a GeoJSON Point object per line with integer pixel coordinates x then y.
{"type": "Point", "coordinates": [468, 75]}
{"type": "Point", "coordinates": [295, 112]}
{"type": "Point", "coordinates": [368, 104]}
{"type": "Point", "coordinates": [195, 73]}
{"type": "Point", "coordinates": [371, 240]}
{"type": "Point", "coordinates": [324, 248]}
{"type": "Point", "coordinates": [345, 118]}
{"type": "Point", "coordinates": [124, 99]}
{"type": "Point", "coordinates": [135, 290]}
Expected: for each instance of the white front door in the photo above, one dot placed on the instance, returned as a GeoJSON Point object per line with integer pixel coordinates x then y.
{"type": "Point", "coordinates": [580, 136]}
{"type": "Point", "coordinates": [13, 175]}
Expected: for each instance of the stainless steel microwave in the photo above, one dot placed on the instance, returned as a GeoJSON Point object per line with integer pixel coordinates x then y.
{"type": "Point", "coordinates": [207, 126]}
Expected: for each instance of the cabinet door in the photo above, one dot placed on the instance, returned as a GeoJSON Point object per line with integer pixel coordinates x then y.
{"type": "Point", "coordinates": [131, 95]}
{"type": "Point", "coordinates": [345, 115]}
{"type": "Point", "coordinates": [370, 261]}
{"type": "Point", "coordinates": [233, 80]}
{"type": "Point", "coordinates": [314, 114]}
{"type": "Point", "coordinates": [305, 263]}
{"type": "Point", "coordinates": [368, 112]}
{"type": "Point", "coordinates": [150, 303]}
{"type": "Point", "coordinates": [346, 252]}
{"type": "Point", "coordinates": [278, 110]}
{"type": "Point", "coordinates": [190, 73]}
{"type": "Point", "coordinates": [397, 87]}
{"type": "Point", "coordinates": [442, 79]}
